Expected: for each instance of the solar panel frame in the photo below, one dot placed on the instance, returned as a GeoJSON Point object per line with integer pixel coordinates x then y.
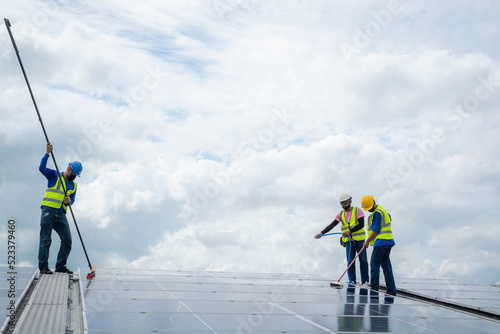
{"type": "Point", "coordinates": [214, 302]}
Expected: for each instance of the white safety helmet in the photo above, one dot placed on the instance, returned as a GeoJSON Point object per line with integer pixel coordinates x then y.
{"type": "Point", "coordinates": [344, 197]}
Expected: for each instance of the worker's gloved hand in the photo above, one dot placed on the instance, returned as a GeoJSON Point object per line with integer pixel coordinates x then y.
{"type": "Point", "coordinates": [49, 147]}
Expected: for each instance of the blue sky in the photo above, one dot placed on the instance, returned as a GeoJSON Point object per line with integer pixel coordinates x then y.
{"type": "Point", "coordinates": [219, 135]}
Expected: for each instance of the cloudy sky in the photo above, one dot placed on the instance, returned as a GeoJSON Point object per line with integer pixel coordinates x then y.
{"type": "Point", "coordinates": [219, 135]}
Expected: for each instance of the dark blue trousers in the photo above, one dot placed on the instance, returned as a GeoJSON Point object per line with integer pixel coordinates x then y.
{"type": "Point", "coordinates": [381, 258]}
{"type": "Point", "coordinates": [351, 250]}
{"type": "Point", "coordinates": [53, 220]}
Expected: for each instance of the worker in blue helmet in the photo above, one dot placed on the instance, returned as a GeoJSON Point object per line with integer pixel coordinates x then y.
{"type": "Point", "coordinates": [77, 168]}
{"type": "Point", "coordinates": [54, 207]}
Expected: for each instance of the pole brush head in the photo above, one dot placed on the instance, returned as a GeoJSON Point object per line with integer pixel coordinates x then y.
{"type": "Point", "coordinates": [92, 273]}
{"type": "Point", "coordinates": [336, 285]}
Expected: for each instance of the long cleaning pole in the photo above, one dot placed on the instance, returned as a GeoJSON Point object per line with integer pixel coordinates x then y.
{"type": "Point", "coordinates": [7, 24]}
{"type": "Point", "coordinates": [362, 249]}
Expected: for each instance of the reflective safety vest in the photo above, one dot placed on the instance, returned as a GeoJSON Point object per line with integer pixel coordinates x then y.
{"type": "Point", "coordinates": [54, 196]}
{"type": "Point", "coordinates": [385, 225]}
{"type": "Point", "coordinates": [358, 235]}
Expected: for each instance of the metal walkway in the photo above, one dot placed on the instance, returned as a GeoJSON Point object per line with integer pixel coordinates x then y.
{"type": "Point", "coordinates": [46, 310]}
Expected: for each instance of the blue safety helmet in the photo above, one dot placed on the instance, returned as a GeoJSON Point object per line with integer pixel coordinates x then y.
{"type": "Point", "coordinates": [76, 167]}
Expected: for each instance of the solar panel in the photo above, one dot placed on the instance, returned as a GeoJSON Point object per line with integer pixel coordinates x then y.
{"type": "Point", "coordinates": [146, 301]}
{"type": "Point", "coordinates": [475, 296]}
{"type": "Point", "coordinates": [20, 279]}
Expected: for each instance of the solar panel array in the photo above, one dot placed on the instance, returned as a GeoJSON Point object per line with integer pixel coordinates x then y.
{"type": "Point", "coordinates": [474, 296]}
{"type": "Point", "coordinates": [149, 301]}
{"type": "Point", "coordinates": [13, 285]}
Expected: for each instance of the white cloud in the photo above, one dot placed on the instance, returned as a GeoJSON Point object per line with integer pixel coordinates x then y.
{"type": "Point", "coordinates": [218, 135]}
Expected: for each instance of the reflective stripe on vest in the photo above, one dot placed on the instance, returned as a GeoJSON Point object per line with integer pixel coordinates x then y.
{"type": "Point", "coordinates": [54, 196]}
{"type": "Point", "coordinates": [385, 225]}
{"type": "Point", "coordinates": [358, 235]}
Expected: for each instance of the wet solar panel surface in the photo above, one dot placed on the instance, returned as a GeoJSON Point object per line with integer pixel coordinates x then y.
{"type": "Point", "coordinates": [13, 284]}
{"type": "Point", "coordinates": [149, 301]}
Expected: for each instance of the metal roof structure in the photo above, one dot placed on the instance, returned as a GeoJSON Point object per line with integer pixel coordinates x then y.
{"type": "Point", "coordinates": [169, 301]}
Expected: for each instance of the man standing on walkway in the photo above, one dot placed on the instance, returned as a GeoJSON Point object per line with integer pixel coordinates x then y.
{"type": "Point", "coordinates": [380, 237]}
{"type": "Point", "coordinates": [54, 208]}
{"type": "Point", "coordinates": [353, 229]}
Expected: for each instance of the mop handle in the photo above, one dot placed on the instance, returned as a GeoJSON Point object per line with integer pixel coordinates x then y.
{"type": "Point", "coordinates": [8, 25]}
{"type": "Point", "coordinates": [362, 249]}
{"type": "Point", "coordinates": [324, 235]}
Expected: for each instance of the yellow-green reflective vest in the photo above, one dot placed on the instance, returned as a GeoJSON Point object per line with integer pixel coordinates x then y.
{"type": "Point", "coordinates": [358, 235]}
{"type": "Point", "coordinates": [385, 225]}
{"type": "Point", "coordinates": [54, 196]}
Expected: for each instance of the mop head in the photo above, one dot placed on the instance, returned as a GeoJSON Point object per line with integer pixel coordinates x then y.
{"type": "Point", "coordinates": [336, 285]}
{"type": "Point", "coordinates": [92, 273]}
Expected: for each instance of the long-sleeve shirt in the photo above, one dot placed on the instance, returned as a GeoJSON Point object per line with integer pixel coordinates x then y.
{"type": "Point", "coordinates": [51, 176]}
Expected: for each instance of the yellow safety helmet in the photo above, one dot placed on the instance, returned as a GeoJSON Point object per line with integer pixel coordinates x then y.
{"type": "Point", "coordinates": [367, 202]}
